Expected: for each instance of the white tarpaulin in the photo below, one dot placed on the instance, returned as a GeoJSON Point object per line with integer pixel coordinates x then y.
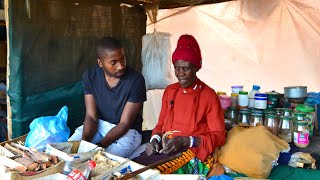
{"type": "Point", "coordinates": [272, 43]}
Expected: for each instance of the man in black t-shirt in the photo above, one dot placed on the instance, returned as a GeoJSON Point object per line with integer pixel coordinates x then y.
{"type": "Point", "coordinates": [114, 95]}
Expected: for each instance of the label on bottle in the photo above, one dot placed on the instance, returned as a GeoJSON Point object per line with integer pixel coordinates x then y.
{"type": "Point", "coordinates": [76, 175]}
{"type": "Point", "coordinates": [301, 138]}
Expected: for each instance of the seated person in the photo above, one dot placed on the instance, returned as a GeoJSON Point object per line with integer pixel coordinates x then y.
{"type": "Point", "coordinates": [191, 118]}
{"type": "Point", "coordinates": [114, 94]}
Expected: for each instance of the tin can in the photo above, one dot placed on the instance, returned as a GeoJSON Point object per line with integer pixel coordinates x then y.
{"type": "Point", "coordinates": [272, 101]}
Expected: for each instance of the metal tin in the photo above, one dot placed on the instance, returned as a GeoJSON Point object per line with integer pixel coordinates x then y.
{"type": "Point", "coordinates": [272, 101]}
{"type": "Point", "coordinates": [295, 92]}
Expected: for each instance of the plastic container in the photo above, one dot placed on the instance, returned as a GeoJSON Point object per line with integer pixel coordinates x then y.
{"type": "Point", "coordinates": [82, 172]}
{"type": "Point", "coordinates": [301, 134]}
{"type": "Point", "coordinates": [285, 128]}
{"type": "Point", "coordinates": [234, 100]}
{"type": "Point", "coordinates": [243, 99]}
{"type": "Point", "coordinates": [253, 91]}
{"type": "Point", "coordinates": [310, 115]}
{"type": "Point", "coordinates": [236, 89]}
{"type": "Point", "coordinates": [225, 101]}
{"type": "Point", "coordinates": [260, 101]}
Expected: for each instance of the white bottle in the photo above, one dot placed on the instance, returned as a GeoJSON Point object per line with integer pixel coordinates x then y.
{"type": "Point", "coordinates": [255, 89]}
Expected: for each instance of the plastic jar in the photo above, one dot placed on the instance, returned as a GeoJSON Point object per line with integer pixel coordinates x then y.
{"type": "Point", "coordinates": [256, 120]}
{"type": "Point", "coordinates": [310, 115]}
{"type": "Point", "coordinates": [301, 134]}
{"type": "Point", "coordinates": [285, 128]}
{"type": "Point", "coordinates": [236, 89]}
{"type": "Point", "coordinates": [225, 101]}
{"type": "Point", "coordinates": [234, 100]}
{"type": "Point", "coordinates": [260, 101]}
{"type": "Point", "coordinates": [243, 99]}
{"type": "Point", "coordinates": [272, 123]}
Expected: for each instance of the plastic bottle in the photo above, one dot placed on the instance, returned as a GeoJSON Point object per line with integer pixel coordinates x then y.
{"type": "Point", "coordinates": [83, 172]}
{"type": "Point", "coordinates": [255, 89]}
{"type": "Point", "coordinates": [68, 165]}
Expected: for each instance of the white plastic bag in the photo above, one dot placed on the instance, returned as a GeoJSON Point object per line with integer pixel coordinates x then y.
{"type": "Point", "coordinates": [156, 60]}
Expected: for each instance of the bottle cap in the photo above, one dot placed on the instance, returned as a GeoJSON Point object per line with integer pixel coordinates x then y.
{"type": "Point", "coordinates": [256, 87]}
{"type": "Point", "coordinates": [92, 164]}
{"type": "Point", "coordinates": [304, 108]}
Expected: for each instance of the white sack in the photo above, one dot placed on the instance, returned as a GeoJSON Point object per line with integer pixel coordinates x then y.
{"type": "Point", "coordinates": [156, 56]}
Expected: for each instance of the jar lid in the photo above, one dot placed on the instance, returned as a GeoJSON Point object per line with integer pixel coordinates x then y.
{"type": "Point", "coordinates": [257, 114]}
{"type": "Point", "coordinates": [304, 108]}
{"type": "Point", "coordinates": [260, 95]}
{"type": "Point", "coordinates": [234, 94]}
{"type": "Point", "coordinates": [236, 86]}
{"type": "Point", "coordinates": [243, 92]}
{"type": "Point", "coordinates": [287, 110]}
{"type": "Point", "coordinates": [232, 108]}
{"type": "Point", "coordinates": [244, 112]}
{"type": "Point", "coordinates": [272, 93]}
{"type": "Point", "coordinates": [279, 109]}
{"type": "Point", "coordinates": [221, 93]}
{"type": "Point", "coordinates": [300, 114]}
{"type": "Point", "coordinates": [301, 123]}
{"type": "Point", "coordinates": [286, 117]}
{"type": "Point", "coordinates": [271, 116]}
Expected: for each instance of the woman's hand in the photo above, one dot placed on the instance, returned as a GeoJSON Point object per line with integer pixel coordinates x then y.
{"type": "Point", "coordinates": [153, 147]}
{"type": "Point", "coordinates": [175, 144]}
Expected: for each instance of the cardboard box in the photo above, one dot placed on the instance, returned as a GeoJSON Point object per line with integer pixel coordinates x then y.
{"type": "Point", "coordinates": [16, 176]}
{"type": "Point", "coordinates": [133, 166]}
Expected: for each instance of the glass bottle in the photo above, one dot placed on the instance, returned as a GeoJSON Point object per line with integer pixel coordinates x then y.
{"type": "Point", "coordinates": [244, 117]}
{"type": "Point", "coordinates": [234, 100]}
{"type": "Point", "coordinates": [287, 112]}
{"type": "Point", "coordinates": [285, 128]}
{"type": "Point", "coordinates": [231, 117]}
{"type": "Point", "coordinates": [298, 116]}
{"type": "Point", "coordinates": [272, 123]}
{"type": "Point", "coordinates": [301, 134]}
{"type": "Point", "coordinates": [68, 166]}
{"type": "Point", "coordinates": [256, 120]}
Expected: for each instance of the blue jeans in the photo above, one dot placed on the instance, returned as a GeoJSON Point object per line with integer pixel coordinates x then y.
{"type": "Point", "coordinates": [124, 146]}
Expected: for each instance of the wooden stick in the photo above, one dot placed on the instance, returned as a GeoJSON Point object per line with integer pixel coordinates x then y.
{"type": "Point", "coordinates": [11, 148]}
{"type": "Point", "coordinates": [134, 173]}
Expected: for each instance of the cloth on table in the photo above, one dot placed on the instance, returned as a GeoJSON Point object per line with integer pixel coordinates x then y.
{"type": "Point", "coordinates": [251, 151]}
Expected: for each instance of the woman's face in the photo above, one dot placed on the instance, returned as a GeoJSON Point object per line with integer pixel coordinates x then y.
{"type": "Point", "coordinates": [185, 72]}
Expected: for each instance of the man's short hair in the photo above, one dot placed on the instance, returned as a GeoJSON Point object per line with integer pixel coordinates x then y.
{"type": "Point", "coordinates": [105, 45]}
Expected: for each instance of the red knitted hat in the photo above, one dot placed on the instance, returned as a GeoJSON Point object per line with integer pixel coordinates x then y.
{"type": "Point", "coordinates": [188, 50]}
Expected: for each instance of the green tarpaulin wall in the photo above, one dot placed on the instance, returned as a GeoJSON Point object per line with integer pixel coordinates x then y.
{"type": "Point", "coordinates": [51, 43]}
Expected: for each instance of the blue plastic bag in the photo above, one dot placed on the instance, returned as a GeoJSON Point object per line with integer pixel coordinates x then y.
{"type": "Point", "coordinates": [48, 129]}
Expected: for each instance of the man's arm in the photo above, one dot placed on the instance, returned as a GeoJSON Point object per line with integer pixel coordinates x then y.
{"type": "Point", "coordinates": [128, 117]}
{"type": "Point", "coordinates": [90, 124]}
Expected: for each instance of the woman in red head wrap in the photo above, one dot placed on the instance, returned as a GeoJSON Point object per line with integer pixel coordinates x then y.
{"type": "Point", "coordinates": [191, 120]}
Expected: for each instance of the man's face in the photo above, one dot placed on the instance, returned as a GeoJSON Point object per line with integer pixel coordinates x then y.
{"type": "Point", "coordinates": [114, 63]}
{"type": "Point", "coordinates": [185, 72]}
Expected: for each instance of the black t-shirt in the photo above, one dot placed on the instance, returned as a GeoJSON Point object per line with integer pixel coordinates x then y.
{"type": "Point", "coordinates": [111, 101]}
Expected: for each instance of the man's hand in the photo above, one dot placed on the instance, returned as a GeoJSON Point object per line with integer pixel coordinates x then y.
{"type": "Point", "coordinates": [153, 147]}
{"type": "Point", "coordinates": [174, 144]}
